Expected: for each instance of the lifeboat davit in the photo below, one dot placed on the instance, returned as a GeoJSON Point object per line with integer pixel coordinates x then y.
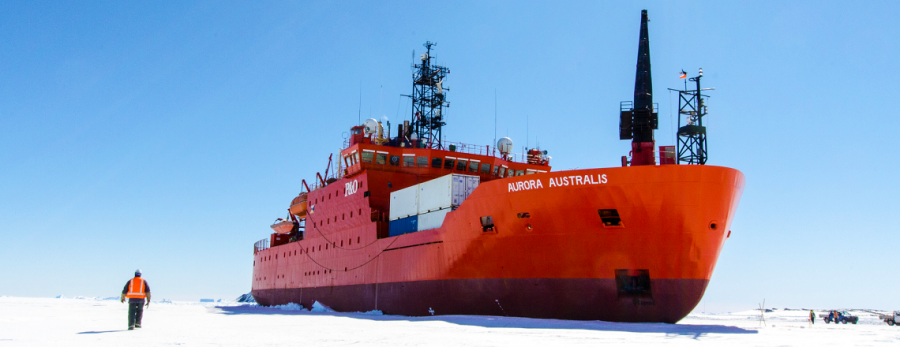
{"type": "Point", "coordinates": [298, 206]}
{"type": "Point", "coordinates": [282, 226]}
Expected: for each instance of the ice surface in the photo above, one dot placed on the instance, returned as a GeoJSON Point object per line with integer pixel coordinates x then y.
{"type": "Point", "coordinates": [289, 307]}
{"type": "Point", "coordinates": [318, 307]}
{"type": "Point", "coordinates": [246, 298]}
{"type": "Point", "coordinates": [92, 322]}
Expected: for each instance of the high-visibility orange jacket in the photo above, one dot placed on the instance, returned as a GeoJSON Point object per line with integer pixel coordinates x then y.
{"type": "Point", "coordinates": [136, 289]}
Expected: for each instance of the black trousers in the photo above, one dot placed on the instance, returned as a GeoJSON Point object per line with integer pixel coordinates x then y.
{"type": "Point", "coordinates": [135, 311]}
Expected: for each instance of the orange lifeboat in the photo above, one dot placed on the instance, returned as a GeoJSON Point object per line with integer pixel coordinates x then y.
{"type": "Point", "coordinates": [282, 226]}
{"type": "Point", "coordinates": [298, 206]}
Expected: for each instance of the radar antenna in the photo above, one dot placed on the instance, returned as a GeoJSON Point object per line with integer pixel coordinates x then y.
{"type": "Point", "coordinates": [428, 101]}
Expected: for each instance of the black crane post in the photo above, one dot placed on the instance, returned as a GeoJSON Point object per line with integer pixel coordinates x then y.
{"type": "Point", "coordinates": [638, 119]}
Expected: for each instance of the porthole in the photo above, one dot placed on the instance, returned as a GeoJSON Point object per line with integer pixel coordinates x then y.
{"type": "Point", "coordinates": [713, 226]}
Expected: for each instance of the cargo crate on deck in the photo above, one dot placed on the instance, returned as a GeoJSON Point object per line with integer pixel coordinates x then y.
{"type": "Point", "coordinates": [403, 226]}
{"type": "Point", "coordinates": [430, 200]}
{"type": "Point", "coordinates": [432, 220]}
{"type": "Point", "coordinates": [404, 203]}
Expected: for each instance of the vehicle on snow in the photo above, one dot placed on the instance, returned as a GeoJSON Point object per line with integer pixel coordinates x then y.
{"type": "Point", "coordinates": [891, 319]}
{"type": "Point", "coordinates": [842, 317]}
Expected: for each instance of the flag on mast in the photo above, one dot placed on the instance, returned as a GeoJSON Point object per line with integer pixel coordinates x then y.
{"type": "Point", "coordinates": [683, 75]}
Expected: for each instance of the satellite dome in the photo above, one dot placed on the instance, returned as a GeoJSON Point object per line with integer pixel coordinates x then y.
{"type": "Point", "coordinates": [370, 126]}
{"type": "Point", "coordinates": [505, 145]}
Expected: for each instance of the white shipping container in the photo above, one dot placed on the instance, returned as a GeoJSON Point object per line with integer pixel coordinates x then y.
{"type": "Point", "coordinates": [445, 192]}
{"type": "Point", "coordinates": [432, 220]}
{"type": "Point", "coordinates": [435, 194]}
{"type": "Point", "coordinates": [404, 202]}
{"type": "Point", "coordinates": [471, 183]}
{"type": "Point", "coordinates": [459, 190]}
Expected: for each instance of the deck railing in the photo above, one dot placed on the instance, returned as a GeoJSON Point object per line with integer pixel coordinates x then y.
{"type": "Point", "coordinates": [260, 245]}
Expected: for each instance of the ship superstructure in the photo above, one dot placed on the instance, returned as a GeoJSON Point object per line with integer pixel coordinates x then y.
{"type": "Point", "coordinates": [414, 225]}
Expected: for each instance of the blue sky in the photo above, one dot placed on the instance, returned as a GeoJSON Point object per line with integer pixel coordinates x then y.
{"type": "Point", "coordinates": [168, 135]}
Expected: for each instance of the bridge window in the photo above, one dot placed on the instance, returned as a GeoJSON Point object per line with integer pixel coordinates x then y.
{"type": "Point", "coordinates": [381, 158]}
{"type": "Point", "coordinates": [502, 172]}
{"type": "Point", "coordinates": [367, 157]}
{"type": "Point", "coordinates": [523, 215]}
{"type": "Point", "coordinates": [395, 160]}
{"type": "Point", "coordinates": [436, 162]}
{"type": "Point", "coordinates": [461, 165]}
{"type": "Point", "coordinates": [409, 161]}
{"type": "Point", "coordinates": [485, 168]}
{"type": "Point", "coordinates": [473, 166]}
{"type": "Point", "coordinates": [355, 158]}
{"type": "Point", "coordinates": [520, 172]}
{"type": "Point", "coordinates": [448, 164]}
{"type": "Point", "coordinates": [422, 161]}
{"type": "Point", "coordinates": [496, 170]}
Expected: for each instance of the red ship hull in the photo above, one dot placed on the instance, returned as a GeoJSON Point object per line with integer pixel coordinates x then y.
{"type": "Point", "coordinates": [551, 254]}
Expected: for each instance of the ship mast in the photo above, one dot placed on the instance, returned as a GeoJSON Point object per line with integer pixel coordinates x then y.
{"type": "Point", "coordinates": [638, 119]}
{"type": "Point", "coordinates": [692, 135]}
{"type": "Point", "coordinates": [428, 101]}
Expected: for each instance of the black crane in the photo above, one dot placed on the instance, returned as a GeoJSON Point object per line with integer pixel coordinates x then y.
{"type": "Point", "coordinates": [638, 119]}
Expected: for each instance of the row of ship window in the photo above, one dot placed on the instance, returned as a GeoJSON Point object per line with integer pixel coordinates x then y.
{"type": "Point", "coordinates": [333, 245]}
{"type": "Point", "coordinates": [308, 273]}
{"type": "Point", "coordinates": [328, 220]}
{"type": "Point", "coordinates": [449, 163]}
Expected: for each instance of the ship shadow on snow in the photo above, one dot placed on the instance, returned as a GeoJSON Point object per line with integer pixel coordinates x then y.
{"type": "Point", "coordinates": [690, 330]}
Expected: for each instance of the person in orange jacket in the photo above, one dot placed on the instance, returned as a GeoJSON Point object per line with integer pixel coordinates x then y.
{"type": "Point", "coordinates": [136, 290]}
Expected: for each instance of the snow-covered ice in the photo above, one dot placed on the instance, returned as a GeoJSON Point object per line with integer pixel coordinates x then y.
{"type": "Point", "coordinates": [99, 322]}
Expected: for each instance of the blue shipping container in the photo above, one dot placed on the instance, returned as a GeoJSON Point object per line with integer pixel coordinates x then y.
{"type": "Point", "coordinates": [403, 226]}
